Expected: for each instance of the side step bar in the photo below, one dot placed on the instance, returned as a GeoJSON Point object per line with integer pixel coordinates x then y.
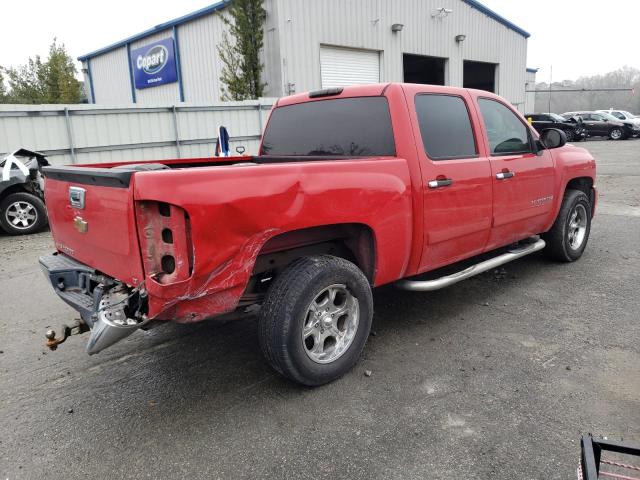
{"type": "Point", "coordinates": [442, 282]}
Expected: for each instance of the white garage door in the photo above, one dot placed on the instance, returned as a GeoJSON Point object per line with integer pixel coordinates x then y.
{"type": "Point", "coordinates": [340, 67]}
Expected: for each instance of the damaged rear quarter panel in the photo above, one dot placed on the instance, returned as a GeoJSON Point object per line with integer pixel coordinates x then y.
{"type": "Point", "coordinates": [234, 211]}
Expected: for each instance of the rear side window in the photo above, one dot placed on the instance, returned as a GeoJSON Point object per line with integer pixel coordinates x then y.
{"type": "Point", "coordinates": [445, 127]}
{"type": "Point", "coordinates": [507, 134]}
{"type": "Point", "coordinates": [340, 127]}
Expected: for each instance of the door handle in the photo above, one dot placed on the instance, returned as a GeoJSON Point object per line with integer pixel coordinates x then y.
{"type": "Point", "coordinates": [503, 175]}
{"type": "Point", "coordinates": [444, 182]}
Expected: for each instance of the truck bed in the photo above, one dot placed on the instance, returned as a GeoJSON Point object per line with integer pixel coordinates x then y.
{"type": "Point", "coordinates": [221, 212]}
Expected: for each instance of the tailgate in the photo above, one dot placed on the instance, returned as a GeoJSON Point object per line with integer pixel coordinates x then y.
{"type": "Point", "coordinates": [92, 219]}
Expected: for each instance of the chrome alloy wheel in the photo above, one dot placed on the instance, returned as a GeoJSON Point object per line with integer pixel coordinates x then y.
{"type": "Point", "coordinates": [616, 134]}
{"type": "Point", "coordinates": [21, 215]}
{"type": "Point", "coordinates": [330, 324]}
{"type": "Point", "coordinates": [577, 226]}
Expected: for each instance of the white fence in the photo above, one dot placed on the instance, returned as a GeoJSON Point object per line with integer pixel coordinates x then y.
{"type": "Point", "coordinates": [94, 134]}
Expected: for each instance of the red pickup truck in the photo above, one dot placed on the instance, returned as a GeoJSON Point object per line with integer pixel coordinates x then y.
{"type": "Point", "coordinates": [353, 188]}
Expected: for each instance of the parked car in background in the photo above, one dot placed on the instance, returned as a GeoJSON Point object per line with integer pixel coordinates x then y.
{"type": "Point", "coordinates": [22, 207]}
{"type": "Point", "coordinates": [623, 116]}
{"type": "Point", "coordinates": [603, 125]}
{"type": "Point", "coordinates": [574, 131]}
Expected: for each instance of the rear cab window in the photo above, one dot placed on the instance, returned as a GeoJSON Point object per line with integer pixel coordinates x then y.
{"type": "Point", "coordinates": [445, 127]}
{"type": "Point", "coordinates": [506, 133]}
{"type": "Point", "coordinates": [350, 127]}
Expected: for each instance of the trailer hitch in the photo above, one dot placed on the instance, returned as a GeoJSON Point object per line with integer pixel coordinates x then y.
{"type": "Point", "coordinates": [76, 328]}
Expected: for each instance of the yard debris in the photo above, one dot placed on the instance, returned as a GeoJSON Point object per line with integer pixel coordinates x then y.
{"type": "Point", "coordinates": [367, 373]}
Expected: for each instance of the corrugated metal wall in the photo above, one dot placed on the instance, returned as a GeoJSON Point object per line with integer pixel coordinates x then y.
{"type": "Point", "coordinates": [201, 67]}
{"type": "Point", "coordinates": [94, 133]}
{"type": "Point", "coordinates": [110, 74]}
{"type": "Point", "coordinates": [304, 25]}
{"type": "Point", "coordinates": [295, 30]}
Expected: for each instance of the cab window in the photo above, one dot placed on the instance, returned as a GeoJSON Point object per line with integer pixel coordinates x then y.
{"type": "Point", "coordinates": [445, 127]}
{"type": "Point", "coordinates": [506, 133]}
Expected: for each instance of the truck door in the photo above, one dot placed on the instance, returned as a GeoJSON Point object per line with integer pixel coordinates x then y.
{"type": "Point", "coordinates": [456, 178]}
{"type": "Point", "coordinates": [523, 180]}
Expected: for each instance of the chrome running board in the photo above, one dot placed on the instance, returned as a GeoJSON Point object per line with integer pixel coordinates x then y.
{"type": "Point", "coordinates": [442, 282]}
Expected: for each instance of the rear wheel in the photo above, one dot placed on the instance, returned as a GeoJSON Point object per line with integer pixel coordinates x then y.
{"type": "Point", "coordinates": [615, 134]}
{"type": "Point", "coordinates": [315, 319]}
{"type": "Point", "coordinates": [569, 234]}
{"type": "Point", "coordinates": [22, 213]}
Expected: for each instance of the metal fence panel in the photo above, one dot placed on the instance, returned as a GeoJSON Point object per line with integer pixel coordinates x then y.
{"type": "Point", "coordinates": [70, 134]}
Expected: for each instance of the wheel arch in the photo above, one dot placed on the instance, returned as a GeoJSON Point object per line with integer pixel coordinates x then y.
{"type": "Point", "coordinates": [585, 184]}
{"type": "Point", "coordinates": [353, 241]}
{"type": "Point", "coordinates": [15, 188]}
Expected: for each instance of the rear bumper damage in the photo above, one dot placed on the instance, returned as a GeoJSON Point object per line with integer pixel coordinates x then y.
{"type": "Point", "coordinates": [111, 309]}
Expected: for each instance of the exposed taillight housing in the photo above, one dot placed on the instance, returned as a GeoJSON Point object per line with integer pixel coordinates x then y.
{"type": "Point", "coordinates": [164, 232]}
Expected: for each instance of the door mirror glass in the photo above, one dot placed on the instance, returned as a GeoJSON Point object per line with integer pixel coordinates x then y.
{"type": "Point", "coordinates": [553, 138]}
{"type": "Point", "coordinates": [506, 133]}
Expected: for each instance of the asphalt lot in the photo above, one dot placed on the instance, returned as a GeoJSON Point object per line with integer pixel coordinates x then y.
{"type": "Point", "coordinates": [495, 377]}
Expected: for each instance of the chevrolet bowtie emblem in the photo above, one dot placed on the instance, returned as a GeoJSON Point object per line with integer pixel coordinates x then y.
{"type": "Point", "coordinates": [80, 225]}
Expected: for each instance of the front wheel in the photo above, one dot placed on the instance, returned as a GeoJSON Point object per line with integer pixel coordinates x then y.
{"type": "Point", "coordinates": [615, 134]}
{"type": "Point", "coordinates": [22, 213]}
{"type": "Point", "coordinates": [569, 234]}
{"type": "Point", "coordinates": [315, 319]}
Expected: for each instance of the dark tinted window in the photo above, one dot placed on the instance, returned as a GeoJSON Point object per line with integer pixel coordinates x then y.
{"type": "Point", "coordinates": [445, 127]}
{"type": "Point", "coordinates": [349, 126]}
{"type": "Point", "coordinates": [506, 133]}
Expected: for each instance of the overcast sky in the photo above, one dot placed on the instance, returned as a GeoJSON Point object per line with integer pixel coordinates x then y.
{"type": "Point", "coordinates": [577, 37]}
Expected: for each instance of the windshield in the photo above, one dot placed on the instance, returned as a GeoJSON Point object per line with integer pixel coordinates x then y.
{"type": "Point", "coordinates": [557, 117]}
{"type": "Point", "coordinates": [627, 114]}
{"type": "Point", "coordinates": [339, 127]}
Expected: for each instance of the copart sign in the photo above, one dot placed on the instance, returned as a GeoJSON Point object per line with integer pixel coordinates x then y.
{"type": "Point", "coordinates": [154, 64]}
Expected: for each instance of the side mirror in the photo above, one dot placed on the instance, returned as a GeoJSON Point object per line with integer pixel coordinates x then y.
{"type": "Point", "coordinates": [605, 119]}
{"type": "Point", "coordinates": [240, 149]}
{"type": "Point", "coordinates": [553, 138]}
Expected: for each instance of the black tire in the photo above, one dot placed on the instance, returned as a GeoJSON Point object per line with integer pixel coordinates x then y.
{"type": "Point", "coordinates": [616, 133]}
{"type": "Point", "coordinates": [25, 202]}
{"type": "Point", "coordinates": [559, 238]}
{"type": "Point", "coordinates": [285, 311]}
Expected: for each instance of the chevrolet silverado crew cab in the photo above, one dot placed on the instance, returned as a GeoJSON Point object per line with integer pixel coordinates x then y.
{"type": "Point", "coordinates": [353, 188]}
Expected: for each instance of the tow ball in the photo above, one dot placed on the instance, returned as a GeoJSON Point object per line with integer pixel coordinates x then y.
{"type": "Point", "coordinates": [76, 328]}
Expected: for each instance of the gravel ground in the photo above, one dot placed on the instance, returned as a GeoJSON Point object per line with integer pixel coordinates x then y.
{"type": "Point", "coordinates": [495, 377]}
